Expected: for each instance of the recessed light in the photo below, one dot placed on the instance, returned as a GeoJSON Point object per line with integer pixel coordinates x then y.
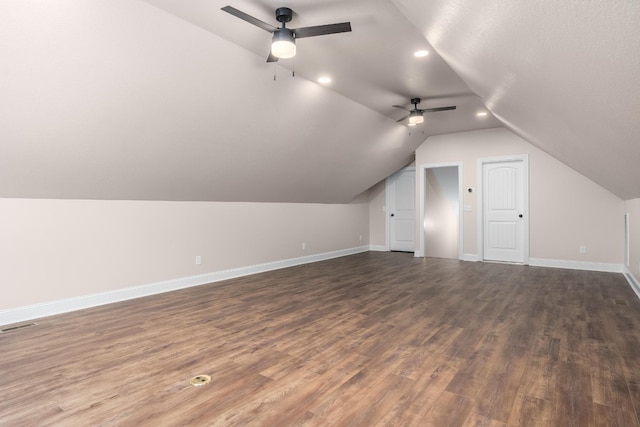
{"type": "Point", "coordinates": [421, 53]}
{"type": "Point", "coordinates": [324, 80]}
{"type": "Point", "coordinates": [482, 114]}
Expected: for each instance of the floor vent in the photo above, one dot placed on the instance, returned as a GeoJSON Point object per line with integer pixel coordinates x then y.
{"type": "Point", "coordinates": [621, 302]}
{"type": "Point", "coordinates": [200, 380]}
{"type": "Point", "coordinates": [16, 327]}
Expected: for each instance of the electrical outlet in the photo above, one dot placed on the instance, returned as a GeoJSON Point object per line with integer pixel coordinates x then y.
{"type": "Point", "coordinates": [583, 249]}
{"type": "Point", "coordinates": [361, 237]}
{"type": "Point", "coordinates": [198, 260]}
{"type": "Point", "coordinates": [304, 245]}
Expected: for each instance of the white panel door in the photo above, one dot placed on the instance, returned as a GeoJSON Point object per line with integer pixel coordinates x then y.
{"type": "Point", "coordinates": [503, 211]}
{"type": "Point", "coordinates": [402, 211]}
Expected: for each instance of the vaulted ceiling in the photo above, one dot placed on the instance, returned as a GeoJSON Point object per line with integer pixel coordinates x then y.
{"type": "Point", "coordinates": [173, 99]}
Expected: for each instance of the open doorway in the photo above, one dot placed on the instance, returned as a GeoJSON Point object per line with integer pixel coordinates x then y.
{"type": "Point", "coordinates": [441, 210]}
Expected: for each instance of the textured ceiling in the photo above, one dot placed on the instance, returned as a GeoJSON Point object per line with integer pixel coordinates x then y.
{"type": "Point", "coordinates": [173, 100]}
{"type": "Point", "coordinates": [564, 75]}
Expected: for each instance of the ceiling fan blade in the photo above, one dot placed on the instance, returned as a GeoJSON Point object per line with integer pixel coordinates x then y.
{"type": "Point", "coordinates": [431, 110]}
{"type": "Point", "coordinates": [400, 106]}
{"type": "Point", "coordinates": [321, 30]}
{"type": "Point", "coordinates": [272, 58]}
{"type": "Point", "coordinates": [250, 19]}
{"type": "Point", "coordinates": [403, 119]}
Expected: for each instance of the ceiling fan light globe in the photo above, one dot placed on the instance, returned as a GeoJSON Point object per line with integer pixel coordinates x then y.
{"type": "Point", "coordinates": [416, 118]}
{"type": "Point", "coordinates": [283, 45]}
{"type": "Point", "coordinates": [283, 49]}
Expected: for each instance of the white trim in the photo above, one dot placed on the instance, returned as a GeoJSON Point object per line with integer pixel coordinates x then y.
{"type": "Point", "coordinates": [471, 257]}
{"type": "Point", "coordinates": [635, 284]}
{"type": "Point", "coordinates": [21, 314]}
{"type": "Point", "coordinates": [378, 248]}
{"type": "Point", "coordinates": [576, 265]}
{"type": "Point", "coordinates": [524, 158]}
{"type": "Point", "coordinates": [627, 239]}
{"type": "Point", "coordinates": [421, 189]}
{"type": "Point", "coordinates": [387, 224]}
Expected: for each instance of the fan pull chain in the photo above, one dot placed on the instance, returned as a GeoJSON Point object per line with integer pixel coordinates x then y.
{"type": "Point", "coordinates": [274, 71]}
{"type": "Point", "coordinates": [293, 70]}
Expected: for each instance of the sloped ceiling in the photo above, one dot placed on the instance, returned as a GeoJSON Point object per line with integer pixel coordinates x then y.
{"type": "Point", "coordinates": [564, 75]}
{"type": "Point", "coordinates": [173, 100]}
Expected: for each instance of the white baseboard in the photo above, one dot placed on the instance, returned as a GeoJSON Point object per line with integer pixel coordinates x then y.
{"type": "Point", "coordinates": [419, 254]}
{"type": "Point", "coordinates": [633, 281]}
{"type": "Point", "coordinates": [30, 312]}
{"type": "Point", "coordinates": [576, 265]}
{"type": "Point", "coordinates": [378, 248]}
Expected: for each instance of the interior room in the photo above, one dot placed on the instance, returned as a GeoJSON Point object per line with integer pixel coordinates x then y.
{"type": "Point", "coordinates": [360, 212]}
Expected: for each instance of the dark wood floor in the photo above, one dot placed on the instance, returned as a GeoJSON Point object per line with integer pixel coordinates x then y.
{"type": "Point", "coordinates": [366, 340]}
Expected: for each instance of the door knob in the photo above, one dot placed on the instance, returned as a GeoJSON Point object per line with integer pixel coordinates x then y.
{"type": "Point", "coordinates": [520, 216]}
{"type": "Point", "coordinates": [392, 214]}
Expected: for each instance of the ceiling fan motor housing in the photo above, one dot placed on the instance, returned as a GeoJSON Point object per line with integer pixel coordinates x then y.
{"type": "Point", "coordinates": [284, 14]}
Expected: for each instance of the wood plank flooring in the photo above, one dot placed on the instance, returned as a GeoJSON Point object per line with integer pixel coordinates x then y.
{"type": "Point", "coordinates": [374, 339]}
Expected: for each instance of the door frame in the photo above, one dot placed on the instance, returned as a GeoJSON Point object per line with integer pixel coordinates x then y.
{"type": "Point", "coordinates": [627, 240]}
{"type": "Point", "coordinates": [422, 176]}
{"type": "Point", "coordinates": [387, 201]}
{"type": "Point", "coordinates": [524, 158]}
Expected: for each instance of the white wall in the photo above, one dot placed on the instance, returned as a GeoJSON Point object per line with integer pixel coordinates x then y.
{"type": "Point", "coordinates": [58, 249]}
{"type": "Point", "coordinates": [567, 210]}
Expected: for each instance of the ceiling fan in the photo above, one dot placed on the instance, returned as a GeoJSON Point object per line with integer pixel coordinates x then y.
{"type": "Point", "coordinates": [283, 45]}
{"type": "Point", "coordinates": [416, 114]}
